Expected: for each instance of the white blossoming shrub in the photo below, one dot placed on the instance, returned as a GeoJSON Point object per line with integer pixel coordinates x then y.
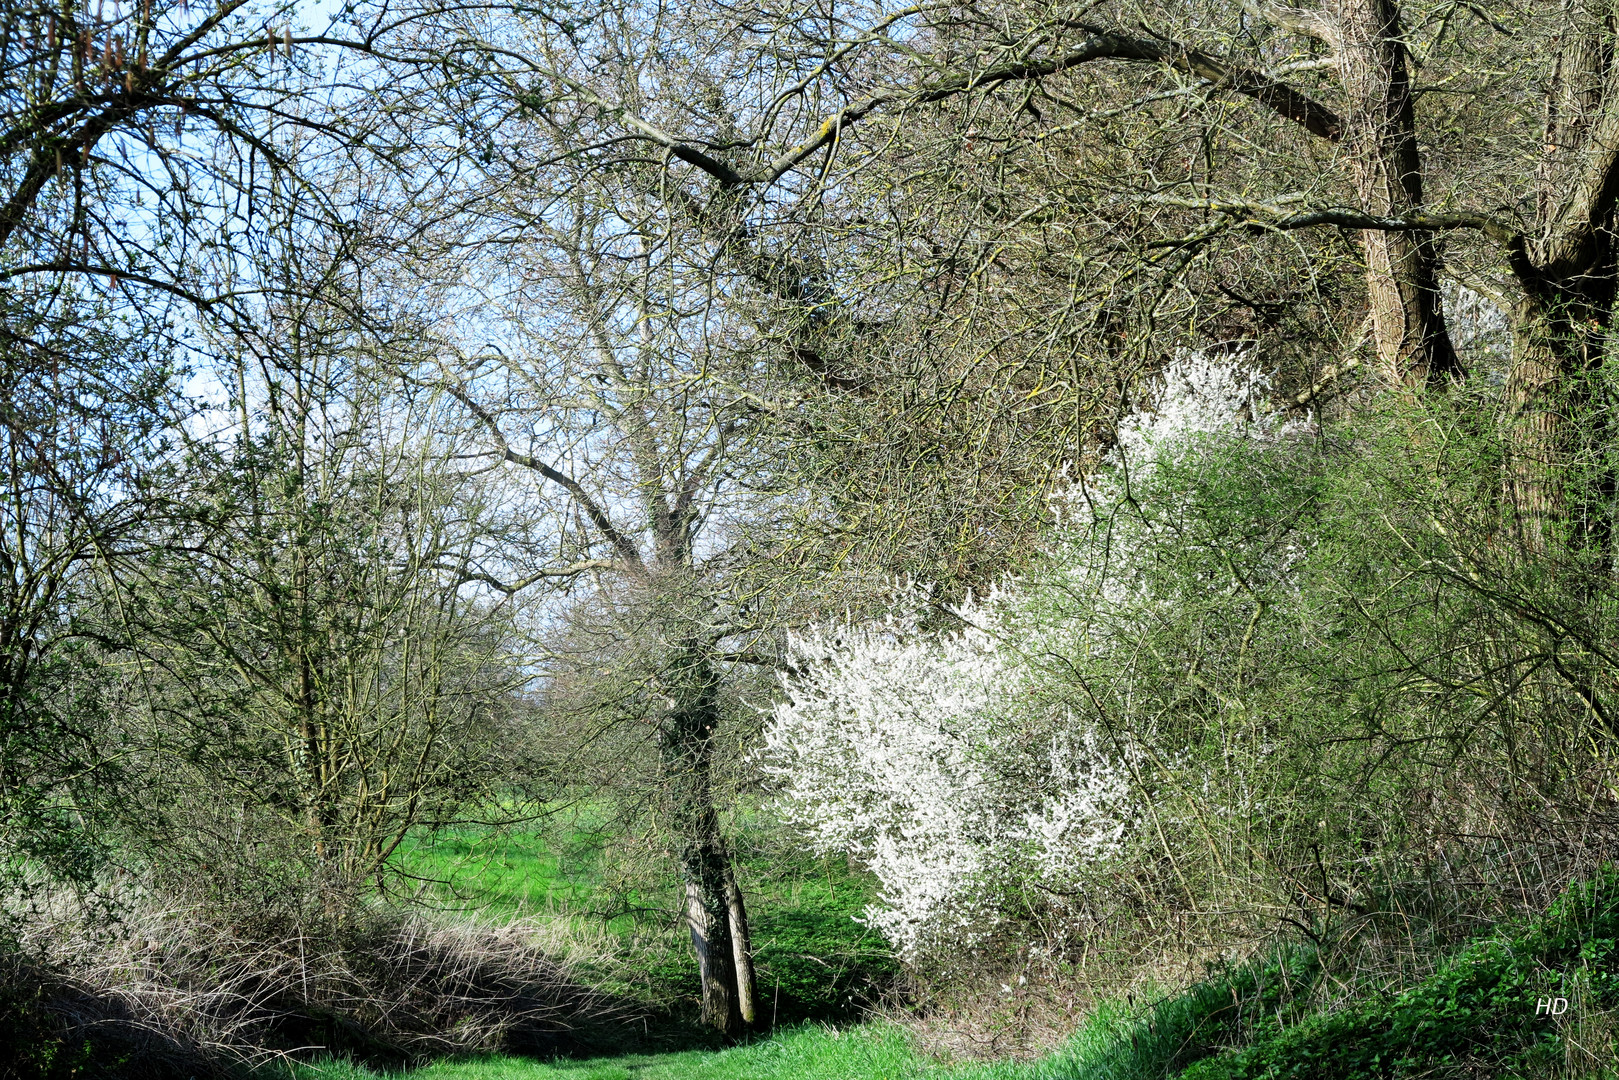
{"type": "Point", "coordinates": [1199, 399]}
{"type": "Point", "coordinates": [925, 757]}
{"type": "Point", "coordinates": [1001, 771]}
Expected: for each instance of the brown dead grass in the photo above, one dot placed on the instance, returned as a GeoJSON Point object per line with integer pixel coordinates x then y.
{"type": "Point", "coordinates": [183, 990]}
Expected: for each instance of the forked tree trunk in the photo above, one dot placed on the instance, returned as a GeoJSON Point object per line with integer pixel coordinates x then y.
{"type": "Point", "coordinates": [1568, 271]}
{"type": "Point", "coordinates": [1402, 268]}
{"type": "Point", "coordinates": [713, 903]}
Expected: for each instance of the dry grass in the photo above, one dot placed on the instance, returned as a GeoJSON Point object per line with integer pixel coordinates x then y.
{"type": "Point", "coordinates": [181, 988]}
{"type": "Point", "coordinates": [1019, 1009]}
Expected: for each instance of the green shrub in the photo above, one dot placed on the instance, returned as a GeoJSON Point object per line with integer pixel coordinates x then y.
{"type": "Point", "coordinates": [1477, 1013]}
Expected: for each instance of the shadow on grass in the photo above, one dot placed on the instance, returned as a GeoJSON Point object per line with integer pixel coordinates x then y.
{"type": "Point", "coordinates": [186, 1027]}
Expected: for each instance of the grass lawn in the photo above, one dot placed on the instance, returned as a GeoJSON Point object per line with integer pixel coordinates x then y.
{"type": "Point", "coordinates": [805, 1053]}
{"type": "Point", "coordinates": [503, 874]}
{"type": "Point", "coordinates": [873, 1051]}
{"type": "Point", "coordinates": [813, 959]}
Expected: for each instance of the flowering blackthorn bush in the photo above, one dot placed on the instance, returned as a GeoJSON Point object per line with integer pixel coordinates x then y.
{"type": "Point", "coordinates": [1000, 768]}
{"type": "Point", "coordinates": [926, 757]}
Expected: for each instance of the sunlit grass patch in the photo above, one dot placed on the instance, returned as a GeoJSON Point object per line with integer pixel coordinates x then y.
{"type": "Point", "coordinates": [871, 1051]}
{"type": "Point", "coordinates": [814, 958]}
{"type": "Point", "coordinates": [810, 1052]}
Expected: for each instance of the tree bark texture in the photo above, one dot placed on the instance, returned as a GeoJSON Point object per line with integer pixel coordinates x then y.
{"type": "Point", "coordinates": [1402, 268]}
{"type": "Point", "coordinates": [742, 948]}
{"type": "Point", "coordinates": [1551, 410]}
{"type": "Point", "coordinates": [1568, 270]}
{"type": "Point", "coordinates": [713, 903]}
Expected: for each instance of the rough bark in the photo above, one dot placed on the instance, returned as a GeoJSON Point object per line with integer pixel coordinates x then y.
{"type": "Point", "coordinates": [687, 747]}
{"type": "Point", "coordinates": [742, 947]}
{"type": "Point", "coordinates": [1568, 269]}
{"type": "Point", "coordinates": [1402, 268]}
{"type": "Point", "coordinates": [1536, 419]}
{"type": "Point", "coordinates": [1556, 348]}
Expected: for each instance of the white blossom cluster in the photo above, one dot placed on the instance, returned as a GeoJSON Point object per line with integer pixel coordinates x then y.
{"type": "Point", "coordinates": [920, 755]}
{"type": "Point", "coordinates": [933, 759]}
{"type": "Point", "coordinates": [1199, 397]}
{"type": "Point", "coordinates": [1480, 329]}
{"type": "Point", "coordinates": [1197, 402]}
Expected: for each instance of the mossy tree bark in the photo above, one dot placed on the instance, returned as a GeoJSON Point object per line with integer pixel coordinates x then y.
{"type": "Point", "coordinates": [1402, 268]}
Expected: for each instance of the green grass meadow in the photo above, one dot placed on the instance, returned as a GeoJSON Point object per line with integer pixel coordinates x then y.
{"type": "Point", "coordinates": [507, 873]}
{"type": "Point", "coordinates": [869, 1051]}
{"type": "Point", "coordinates": [814, 960]}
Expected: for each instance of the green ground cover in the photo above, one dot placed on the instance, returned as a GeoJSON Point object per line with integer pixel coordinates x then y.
{"type": "Point", "coordinates": [510, 873]}
{"type": "Point", "coordinates": [814, 960]}
{"type": "Point", "coordinates": [871, 1051]}
{"type": "Point", "coordinates": [1476, 1015]}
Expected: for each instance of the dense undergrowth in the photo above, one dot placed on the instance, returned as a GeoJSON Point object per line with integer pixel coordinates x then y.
{"type": "Point", "coordinates": [1289, 1017]}
{"type": "Point", "coordinates": [521, 941]}
{"type": "Point", "coordinates": [1284, 1014]}
{"type": "Point", "coordinates": [1099, 783]}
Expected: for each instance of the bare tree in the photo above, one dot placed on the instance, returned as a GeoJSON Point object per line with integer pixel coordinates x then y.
{"type": "Point", "coordinates": [138, 144]}
{"type": "Point", "coordinates": [1340, 98]}
{"type": "Point", "coordinates": [322, 660]}
{"type": "Point", "coordinates": [610, 375]}
{"type": "Point", "coordinates": [84, 403]}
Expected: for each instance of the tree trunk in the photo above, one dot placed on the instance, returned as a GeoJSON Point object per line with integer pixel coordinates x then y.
{"type": "Point", "coordinates": [1402, 268]}
{"type": "Point", "coordinates": [718, 926]}
{"type": "Point", "coordinates": [1535, 417]}
{"type": "Point", "coordinates": [1557, 347]}
{"type": "Point", "coordinates": [742, 946]}
{"type": "Point", "coordinates": [1569, 274]}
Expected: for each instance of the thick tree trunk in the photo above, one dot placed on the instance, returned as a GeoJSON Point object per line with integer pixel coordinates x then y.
{"type": "Point", "coordinates": [1551, 410]}
{"type": "Point", "coordinates": [713, 904]}
{"type": "Point", "coordinates": [1577, 99]}
{"type": "Point", "coordinates": [1536, 417]}
{"type": "Point", "coordinates": [1402, 268]}
{"type": "Point", "coordinates": [1569, 273]}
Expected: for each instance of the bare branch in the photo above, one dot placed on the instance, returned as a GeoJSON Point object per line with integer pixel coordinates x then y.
{"type": "Point", "coordinates": [1102, 44]}
{"type": "Point", "coordinates": [598, 517]}
{"type": "Point", "coordinates": [1296, 20]}
{"type": "Point", "coordinates": [509, 588]}
{"type": "Point", "coordinates": [1280, 217]}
